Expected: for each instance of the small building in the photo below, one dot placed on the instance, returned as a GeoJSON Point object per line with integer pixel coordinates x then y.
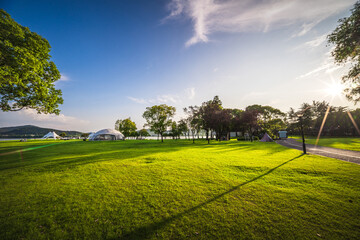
{"type": "Point", "coordinates": [282, 134]}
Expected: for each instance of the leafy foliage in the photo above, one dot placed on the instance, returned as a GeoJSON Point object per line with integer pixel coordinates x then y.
{"type": "Point", "coordinates": [27, 75]}
{"type": "Point", "coordinates": [269, 119]}
{"type": "Point", "coordinates": [144, 133]}
{"type": "Point", "coordinates": [126, 127]}
{"type": "Point", "coordinates": [338, 122]}
{"type": "Point", "coordinates": [63, 134]}
{"type": "Point", "coordinates": [158, 118]}
{"type": "Point", "coordinates": [183, 127]}
{"type": "Point", "coordinates": [346, 38]}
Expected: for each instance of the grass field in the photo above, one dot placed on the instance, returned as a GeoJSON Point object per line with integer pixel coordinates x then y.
{"type": "Point", "coordinates": [174, 190]}
{"type": "Point", "coordinates": [342, 143]}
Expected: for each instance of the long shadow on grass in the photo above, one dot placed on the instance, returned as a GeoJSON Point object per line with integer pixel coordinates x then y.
{"type": "Point", "coordinates": [149, 230]}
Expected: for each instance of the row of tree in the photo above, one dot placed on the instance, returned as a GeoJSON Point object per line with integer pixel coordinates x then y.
{"type": "Point", "coordinates": [335, 121]}
{"type": "Point", "coordinates": [212, 119]}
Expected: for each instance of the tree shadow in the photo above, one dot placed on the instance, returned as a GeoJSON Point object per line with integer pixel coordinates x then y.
{"type": "Point", "coordinates": [149, 230]}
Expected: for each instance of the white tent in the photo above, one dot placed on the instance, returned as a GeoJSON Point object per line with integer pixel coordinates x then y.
{"type": "Point", "coordinates": [106, 134]}
{"type": "Point", "coordinates": [266, 138]}
{"type": "Point", "coordinates": [51, 135]}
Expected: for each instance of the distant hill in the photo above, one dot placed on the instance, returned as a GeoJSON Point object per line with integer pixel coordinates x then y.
{"type": "Point", "coordinates": [30, 131]}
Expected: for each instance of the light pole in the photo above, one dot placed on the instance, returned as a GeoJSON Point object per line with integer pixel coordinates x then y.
{"type": "Point", "coordinates": [302, 132]}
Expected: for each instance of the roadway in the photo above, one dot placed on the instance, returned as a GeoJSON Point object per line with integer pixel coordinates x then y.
{"type": "Point", "coordinates": [344, 155]}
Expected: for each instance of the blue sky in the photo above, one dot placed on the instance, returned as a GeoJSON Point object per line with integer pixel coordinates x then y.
{"type": "Point", "coordinates": [119, 57]}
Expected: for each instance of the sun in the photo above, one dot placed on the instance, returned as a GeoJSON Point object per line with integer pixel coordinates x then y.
{"type": "Point", "coordinates": [334, 89]}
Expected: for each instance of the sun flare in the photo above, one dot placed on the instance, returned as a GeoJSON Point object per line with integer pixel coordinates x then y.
{"type": "Point", "coordinates": [334, 89]}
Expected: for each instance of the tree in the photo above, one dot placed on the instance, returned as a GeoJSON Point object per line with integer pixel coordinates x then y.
{"type": "Point", "coordinates": [236, 124]}
{"type": "Point", "coordinates": [126, 127]}
{"type": "Point", "coordinates": [175, 132]}
{"type": "Point", "coordinates": [27, 75]}
{"type": "Point", "coordinates": [194, 120]}
{"type": "Point", "coordinates": [270, 119]}
{"type": "Point", "coordinates": [249, 119]}
{"type": "Point", "coordinates": [85, 135]}
{"type": "Point", "coordinates": [158, 118]}
{"type": "Point", "coordinates": [207, 113]}
{"type": "Point", "coordinates": [183, 126]}
{"type": "Point", "coordinates": [144, 133]}
{"type": "Point", "coordinates": [346, 38]}
{"type": "Point", "coordinates": [63, 134]}
{"type": "Point", "coordinates": [338, 121]}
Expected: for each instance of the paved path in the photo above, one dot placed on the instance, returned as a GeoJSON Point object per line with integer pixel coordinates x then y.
{"type": "Point", "coordinates": [345, 155]}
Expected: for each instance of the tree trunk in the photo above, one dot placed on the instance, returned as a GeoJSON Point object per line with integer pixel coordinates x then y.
{"type": "Point", "coordinates": [162, 140]}
{"type": "Point", "coordinates": [251, 135]}
{"type": "Point", "coordinates": [207, 136]}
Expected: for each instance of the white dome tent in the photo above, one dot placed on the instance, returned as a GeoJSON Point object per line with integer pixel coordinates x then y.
{"type": "Point", "coordinates": [106, 134]}
{"type": "Point", "coordinates": [51, 135]}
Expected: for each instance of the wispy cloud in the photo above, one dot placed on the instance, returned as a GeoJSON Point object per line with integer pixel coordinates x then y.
{"type": "Point", "coordinates": [158, 100]}
{"type": "Point", "coordinates": [306, 27]}
{"type": "Point", "coordinates": [188, 93]}
{"type": "Point", "coordinates": [32, 113]}
{"type": "Point", "coordinates": [326, 67]}
{"type": "Point", "coordinates": [138, 100]}
{"type": "Point", "coordinates": [316, 42]}
{"type": "Point", "coordinates": [60, 121]}
{"type": "Point", "coordinates": [64, 77]}
{"type": "Point", "coordinates": [211, 16]}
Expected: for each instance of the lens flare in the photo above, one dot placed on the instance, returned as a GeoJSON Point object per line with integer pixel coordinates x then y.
{"type": "Point", "coordinates": [334, 89]}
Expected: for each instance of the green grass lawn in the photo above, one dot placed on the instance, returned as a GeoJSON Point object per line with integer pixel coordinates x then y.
{"type": "Point", "coordinates": [175, 190]}
{"type": "Point", "coordinates": [342, 143]}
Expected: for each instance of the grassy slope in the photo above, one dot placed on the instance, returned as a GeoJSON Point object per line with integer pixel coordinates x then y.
{"type": "Point", "coordinates": [342, 143]}
{"type": "Point", "coordinates": [175, 190]}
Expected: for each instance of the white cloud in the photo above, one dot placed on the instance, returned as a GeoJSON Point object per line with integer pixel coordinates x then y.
{"type": "Point", "coordinates": [188, 93]}
{"type": "Point", "coordinates": [61, 118]}
{"type": "Point", "coordinates": [326, 67]}
{"type": "Point", "coordinates": [167, 99]}
{"type": "Point", "coordinates": [64, 77]}
{"type": "Point", "coordinates": [30, 116]}
{"type": "Point", "coordinates": [316, 42]}
{"type": "Point", "coordinates": [160, 99]}
{"type": "Point", "coordinates": [306, 27]}
{"type": "Point", "coordinates": [211, 16]}
{"type": "Point", "coordinates": [138, 100]}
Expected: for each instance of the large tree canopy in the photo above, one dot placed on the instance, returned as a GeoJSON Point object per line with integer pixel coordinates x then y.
{"type": "Point", "coordinates": [346, 38]}
{"type": "Point", "coordinates": [158, 118]}
{"type": "Point", "coordinates": [27, 75]}
{"type": "Point", "coordinates": [125, 126]}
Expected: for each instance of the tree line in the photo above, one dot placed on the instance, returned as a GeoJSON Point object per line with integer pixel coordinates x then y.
{"type": "Point", "coordinates": [216, 121]}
